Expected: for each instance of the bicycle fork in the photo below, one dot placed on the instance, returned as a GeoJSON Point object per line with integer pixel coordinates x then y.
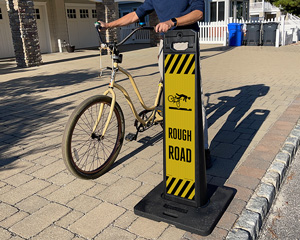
{"type": "Point", "coordinates": [112, 105]}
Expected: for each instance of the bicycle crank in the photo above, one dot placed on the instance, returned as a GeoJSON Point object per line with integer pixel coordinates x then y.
{"type": "Point", "coordinates": [139, 126]}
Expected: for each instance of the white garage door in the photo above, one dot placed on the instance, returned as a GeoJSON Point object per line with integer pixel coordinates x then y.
{"type": "Point", "coordinates": [42, 26]}
{"type": "Point", "coordinates": [81, 18]}
{"type": "Point", "coordinates": [6, 43]}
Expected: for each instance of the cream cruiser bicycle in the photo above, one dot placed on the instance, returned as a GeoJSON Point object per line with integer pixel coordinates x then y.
{"type": "Point", "coordinates": [94, 134]}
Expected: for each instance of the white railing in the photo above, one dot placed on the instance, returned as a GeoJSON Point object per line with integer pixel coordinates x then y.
{"type": "Point", "coordinates": [292, 17]}
{"type": "Point", "coordinates": [269, 7]}
{"type": "Point", "coordinates": [292, 32]}
{"type": "Point", "coordinates": [262, 7]}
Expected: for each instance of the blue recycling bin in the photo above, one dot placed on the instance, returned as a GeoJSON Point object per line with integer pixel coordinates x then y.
{"type": "Point", "coordinates": [235, 34]}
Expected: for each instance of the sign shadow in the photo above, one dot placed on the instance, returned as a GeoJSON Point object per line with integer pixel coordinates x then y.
{"type": "Point", "coordinates": [237, 132]}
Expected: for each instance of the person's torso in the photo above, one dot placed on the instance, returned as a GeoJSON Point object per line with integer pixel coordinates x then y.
{"type": "Point", "coordinates": [167, 9]}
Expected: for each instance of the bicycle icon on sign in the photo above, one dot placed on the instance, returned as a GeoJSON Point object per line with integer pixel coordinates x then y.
{"type": "Point", "coordinates": [177, 98]}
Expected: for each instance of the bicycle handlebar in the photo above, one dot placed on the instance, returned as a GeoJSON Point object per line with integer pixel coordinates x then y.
{"type": "Point", "coordinates": [98, 28]}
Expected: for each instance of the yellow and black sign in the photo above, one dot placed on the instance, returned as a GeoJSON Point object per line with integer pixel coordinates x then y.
{"type": "Point", "coordinates": [180, 64]}
{"type": "Point", "coordinates": [181, 188]}
{"type": "Point", "coordinates": [184, 200]}
{"type": "Point", "coordinates": [180, 125]}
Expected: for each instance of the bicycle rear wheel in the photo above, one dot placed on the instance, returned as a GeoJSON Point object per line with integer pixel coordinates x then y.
{"type": "Point", "coordinates": [88, 154]}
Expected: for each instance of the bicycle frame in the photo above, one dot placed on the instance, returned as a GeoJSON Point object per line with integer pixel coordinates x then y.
{"type": "Point", "coordinates": [110, 90]}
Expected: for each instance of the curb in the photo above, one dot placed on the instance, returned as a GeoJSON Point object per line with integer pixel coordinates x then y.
{"type": "Point", "coordinates": [249, 223]}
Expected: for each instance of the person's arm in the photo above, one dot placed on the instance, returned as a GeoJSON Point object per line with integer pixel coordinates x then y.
{"type": "Point", "coordinates": [123, 21]}
{"type": "Point", "coordinates": [187, 19]}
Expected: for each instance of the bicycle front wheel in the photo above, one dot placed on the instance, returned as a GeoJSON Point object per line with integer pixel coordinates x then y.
{"type": "Point", "coordinates": [88, 154]}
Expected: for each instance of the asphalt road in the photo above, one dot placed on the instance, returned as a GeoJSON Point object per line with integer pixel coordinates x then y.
{"type": "Point", "coordinates": [283, 221]}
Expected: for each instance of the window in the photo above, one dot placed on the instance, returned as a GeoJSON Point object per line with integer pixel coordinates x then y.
{"type": "Point", "coordinates": [246, 10]}
{"type": "Point", "coordinates": [37, 14]}
{"type": "Point", "coordinates": [221, 8]}
{"type": "Point", "coordinates": [213, 11]}
{"type": "Point", "coordinates": [94, 13]}
{"type": "Point", "coordinates": [1, 14]}
{"type": "Point", "coordinates": [84, 13]}
{"type": "Point", "coordinates": [71, 13]}
{"type": "Point", "coordinates": [239, 8]}
{"type": "Point", "coordinates": [217, 11]}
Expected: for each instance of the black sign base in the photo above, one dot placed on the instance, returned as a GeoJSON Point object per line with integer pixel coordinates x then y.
{"type": "Point", "coordinates": [200, 220]}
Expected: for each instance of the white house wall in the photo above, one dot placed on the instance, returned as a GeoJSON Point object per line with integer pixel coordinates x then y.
{"type": "Point", "coordinates": [6, 43]}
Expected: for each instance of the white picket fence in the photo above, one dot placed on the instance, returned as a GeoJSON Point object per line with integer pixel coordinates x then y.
{"type": "Point", "coordinates": [138, 37]}
{"type": "Point", "coordinates": [213, 32]}
{"type": "Point", "coordinates": [217, 32]}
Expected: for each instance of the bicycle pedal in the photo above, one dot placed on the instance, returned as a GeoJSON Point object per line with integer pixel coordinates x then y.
{"type": "Point", "coordinates": [130, 137]}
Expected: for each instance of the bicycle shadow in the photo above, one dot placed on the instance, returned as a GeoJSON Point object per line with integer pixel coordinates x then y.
{"type": "Point", "coordinates": [239, 129]}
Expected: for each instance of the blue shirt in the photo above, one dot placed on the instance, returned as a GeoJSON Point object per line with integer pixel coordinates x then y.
{"type": "Point", "coordinates": [167, 9]}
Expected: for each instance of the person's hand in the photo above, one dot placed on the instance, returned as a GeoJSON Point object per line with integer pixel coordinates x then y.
{"type": "Point", "coordinates": [164, 26]}
{"type": "Point", "coordinates": [103, 26]}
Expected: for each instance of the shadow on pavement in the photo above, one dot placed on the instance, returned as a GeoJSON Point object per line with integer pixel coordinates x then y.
{"type": "Point", "coordinates": [214, 51]}
{"type": "Point", "coordinates": [239, 129]}
{"type": "Point", "coordinates": [9, 65]}
{"type": "Point", "coordinates": [24, 117]}
{"type": "Point", "coordinates": [214, 48]}
{"type": "Point", "coordinates": [70, 59]}
{"type": "Point", "coordinates": [25, 113]}
{"type": "Point", "coordinates": [123, 48]}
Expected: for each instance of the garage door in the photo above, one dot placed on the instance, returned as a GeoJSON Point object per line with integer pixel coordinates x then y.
{"type": "Point", "coordinates": [81, 18]}
{"type": "Point", "coordinates": [6, 43]}
{"type": "Point", "coordinates": [42, 26]}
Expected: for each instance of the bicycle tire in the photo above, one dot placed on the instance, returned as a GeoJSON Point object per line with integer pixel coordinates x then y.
{"type": "Point", "coordinates": [87, 155]}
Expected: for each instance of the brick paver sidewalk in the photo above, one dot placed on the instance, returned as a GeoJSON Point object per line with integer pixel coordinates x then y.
{"type": "Point", "coordinates": [252, 104]}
